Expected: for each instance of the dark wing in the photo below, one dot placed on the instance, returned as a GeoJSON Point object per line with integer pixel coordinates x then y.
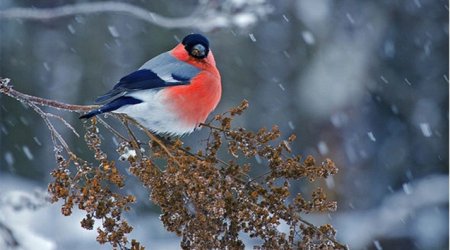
{"type": "Point", "coordinates": [161, 71]}
{"type": "Point", "coordinates": [111, 106]}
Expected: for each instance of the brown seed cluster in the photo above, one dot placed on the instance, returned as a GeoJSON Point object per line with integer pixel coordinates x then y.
{"type": "Point", "coordinates": [205, 200]}
{"type": "Point", "coordinates": [92, 188]}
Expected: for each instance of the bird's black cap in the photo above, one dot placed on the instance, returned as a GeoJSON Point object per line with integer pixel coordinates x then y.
{"type": "Point", "coordinates": [194, 39]}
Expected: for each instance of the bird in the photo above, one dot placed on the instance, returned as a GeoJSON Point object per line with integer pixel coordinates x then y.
{"type": "Point", "coordinates": [170, 94]}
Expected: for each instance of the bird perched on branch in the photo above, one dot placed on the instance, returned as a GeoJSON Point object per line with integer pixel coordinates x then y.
{"type": "Point", "coordinates": [171, 93]}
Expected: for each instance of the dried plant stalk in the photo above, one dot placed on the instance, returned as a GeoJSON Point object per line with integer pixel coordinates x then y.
{"type": "Point", "coordinates": [205, 200]}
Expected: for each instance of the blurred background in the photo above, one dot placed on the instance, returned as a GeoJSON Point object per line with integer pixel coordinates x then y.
{"type": "Point", "coordinates": [364, 83]}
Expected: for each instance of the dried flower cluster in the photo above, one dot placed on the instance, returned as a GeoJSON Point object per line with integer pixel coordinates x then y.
{"type": "Point", "coordinates": [90, 187]}
{"type": "Point", "coordinates": [207, 201]}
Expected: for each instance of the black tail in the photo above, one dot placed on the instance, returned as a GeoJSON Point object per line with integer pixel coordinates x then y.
{"type": "Point", "coordinates": [91, 113]}
{"type": "Point", "coordinates": [113, 105]}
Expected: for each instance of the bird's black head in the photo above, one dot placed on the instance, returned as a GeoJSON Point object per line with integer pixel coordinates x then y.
{"type": "Point", "coordinates": [196, 45]}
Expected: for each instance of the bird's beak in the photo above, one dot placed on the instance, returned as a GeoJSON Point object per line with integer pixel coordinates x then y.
{"type": "Point", "coordinates": [198, 51]}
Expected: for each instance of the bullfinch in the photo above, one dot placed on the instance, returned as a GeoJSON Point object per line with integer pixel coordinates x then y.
{"type": "Point", "coordinates": [171, 93]}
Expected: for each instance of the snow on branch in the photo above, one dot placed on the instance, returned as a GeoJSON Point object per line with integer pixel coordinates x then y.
{"type": "Point", "coordinates": [205, 17]}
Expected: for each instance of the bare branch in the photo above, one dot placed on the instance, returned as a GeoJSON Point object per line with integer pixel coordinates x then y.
{"type": "Point", "coordinates": [34, 102]}
{"type": "Point", "coordinates": [90, 8]}
{"type": "Point", "coordinates": [7, 89]}
{"type": "Point", "coordinates": [205, 17]}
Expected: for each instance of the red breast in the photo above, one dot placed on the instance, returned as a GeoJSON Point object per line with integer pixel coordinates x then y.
{"type": "Point", "coordinates": [195, 101]}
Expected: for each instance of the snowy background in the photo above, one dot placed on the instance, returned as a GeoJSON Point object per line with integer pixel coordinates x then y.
{"type": "Point", "coordinates": [362, 82]}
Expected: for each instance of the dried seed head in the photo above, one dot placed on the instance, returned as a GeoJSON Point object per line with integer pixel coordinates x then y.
{"type": "Point", "coordinates": [205, 200]}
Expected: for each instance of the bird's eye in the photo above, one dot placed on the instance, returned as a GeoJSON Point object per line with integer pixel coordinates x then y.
{"type": "Point", "coordinates": [198, 51]}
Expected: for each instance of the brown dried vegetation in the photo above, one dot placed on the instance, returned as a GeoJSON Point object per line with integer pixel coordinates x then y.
{"type": "Point", "coordinates": [206, 201]}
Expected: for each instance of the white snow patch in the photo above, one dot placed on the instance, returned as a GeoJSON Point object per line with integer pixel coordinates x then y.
{"type": "Point", "coordinates": [426, 130]}
{"type": "Point", "coordinates": [37, 141]}
{"type": "Point", "coordinates": [418, 4]}
{"type": "Point", "coordinates": [371, 136]}
{"type": "Point", "coordinates": [339, 119]}
{"type": "Point", "coordinates": [406, 188]}
{"type": "Point", "coordinates": [127, 154]}
{"type": "Point", "coordinates": [9, 158]}
{"type": "Point", "coordinates": [244, 19]}
{"type": "Point", "coordinates": [377, 245]}
{"type": "Point", "coordinates": [27, 152]}
{"type": "Point", "coordinates": [116, 143]}
{"type": "Point", "coordinates": [394, 109]}
{"type": "Point", "coordinates": [24, 120]}
{"type": "Point", "coordinates": [350, 18]}
{"type": "Point", "coordinates": [46, 66]}
{"type": "Point", "coordinates": [258, 159]}
{"type": "Point", "coordinates": [113, 31]}
{"type": "Point", "coordinates": [323, 147]}
{"type": "Point", "coordinates": [408, 82]}
{"type": "Point", "coordinates": [71, 28]}
{"type": "Point", "coordinates": [308, 37]}
{"type": "Point", "coordinates": [329, 181]}
{"type": "Point", "coordinates": [291, 125]}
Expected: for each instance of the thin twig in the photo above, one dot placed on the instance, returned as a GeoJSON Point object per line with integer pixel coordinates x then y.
{"type": "Point", "coordinates": [34, 102]}
{"type": "Point", "coordinates": [153, 138]}
{"type": "Point", "coordinates": [227, 131]}
{"type": "Point", "coordinates": [134, 141]}
{"type": "Point", "coordinates": [9, 91]}
{"type": "Point", "coordinates": [259, 176]}
{"type": "Point", "coordinates": [111, 129]}
{"type": "Point", "coordinates": [54, 133]}
{"type": "Point", "coordinates": [213, 127]}
{"type": "Point", "coordinates": [324, 235]}
{"type": "Point", "coordinates": [64, 122]}
{"type": "Point", "coordinates": [197, 156]}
